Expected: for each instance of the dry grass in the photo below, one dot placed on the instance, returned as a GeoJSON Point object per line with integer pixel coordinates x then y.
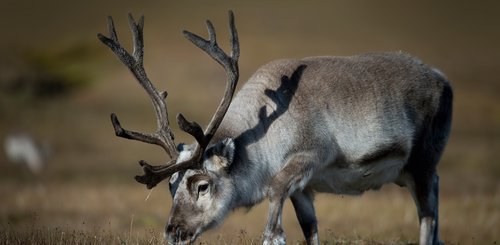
{"type": "Point", "coordinates": [86, 194]}
{"type": "Point", "coordinates": [81, 213]}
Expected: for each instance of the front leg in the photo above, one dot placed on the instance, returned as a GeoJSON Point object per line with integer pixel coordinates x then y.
{"type": "Point", "coordinates": [293, 177]}
{"type": "Point", "coordinates": [273, 233]}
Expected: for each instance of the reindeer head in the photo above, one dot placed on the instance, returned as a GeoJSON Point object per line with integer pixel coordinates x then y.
{"type": "Point", "coordinates": [201, 197]}
{"type": "Point", "coordinates": [199, 183]}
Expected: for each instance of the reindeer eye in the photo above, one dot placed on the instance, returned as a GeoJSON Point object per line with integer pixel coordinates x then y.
{"type": "Point", "coordinates": [202, 188]}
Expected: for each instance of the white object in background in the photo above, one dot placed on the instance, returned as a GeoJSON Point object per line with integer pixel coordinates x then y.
{"type": "Point", "coordinates": [22, 148]}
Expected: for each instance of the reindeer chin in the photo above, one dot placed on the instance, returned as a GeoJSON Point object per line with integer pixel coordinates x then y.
{"type": "Point", "coordinates": [178, 237]}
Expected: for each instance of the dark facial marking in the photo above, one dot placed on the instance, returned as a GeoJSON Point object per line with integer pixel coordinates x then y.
{"type": "Point", "coordinates": [174, 186]}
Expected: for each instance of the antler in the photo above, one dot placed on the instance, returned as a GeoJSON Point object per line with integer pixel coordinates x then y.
{"type": "Point", "coordinates": [163, 136]}
{"type": "Point", "coordinates": [230, 64]}
{"type": "Point", "coordinates": [155, 174]}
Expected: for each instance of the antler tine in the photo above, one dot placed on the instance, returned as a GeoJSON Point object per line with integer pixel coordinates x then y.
{"type": "Point", "coordinates": [163, 136]}
{"type": "Point", "coordinates": [235, 44]}
{"type": "Point", "coordinates": [191, 128]}
{"type": "Point", "coordinates": [137, 37]}
{"type": "Point", "coordinates": [155, 174]}
{"type": "Point", "coordinates": [212, 48]}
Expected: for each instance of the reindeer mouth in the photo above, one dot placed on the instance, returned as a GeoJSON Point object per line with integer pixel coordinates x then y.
{"type": "Point", "coordinates": [189, 240]}
{"type": "Point", "coordinates": [179, 237]}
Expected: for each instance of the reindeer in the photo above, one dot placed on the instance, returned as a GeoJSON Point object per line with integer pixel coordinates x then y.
{"type": "Point", "coordinates": [340, 125]}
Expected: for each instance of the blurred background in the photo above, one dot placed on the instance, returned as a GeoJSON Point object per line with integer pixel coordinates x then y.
{"type": "Point", "coordinates": [65, 177]}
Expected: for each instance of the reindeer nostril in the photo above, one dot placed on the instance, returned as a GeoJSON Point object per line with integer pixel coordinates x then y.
{"type": "Point", "coordinates": [169, 228]}
{"type": "Point", "coordinates": [171, 232]}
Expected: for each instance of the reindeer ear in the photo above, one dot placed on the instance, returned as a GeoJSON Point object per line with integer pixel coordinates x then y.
{"type": "Point", "coordinates": [226, 149]}
{"type": "Point", "coordinates": [222, 155]}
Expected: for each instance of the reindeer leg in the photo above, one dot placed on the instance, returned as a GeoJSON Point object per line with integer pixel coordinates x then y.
{"type": "Point", "coordinates": [304, 209]}
{"type": "Point", "coordinates": [425, 193]}
{"type": "Point", "coordinates": [294, 176]}
{"type": "Point", "coordinates": [273, 233]}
